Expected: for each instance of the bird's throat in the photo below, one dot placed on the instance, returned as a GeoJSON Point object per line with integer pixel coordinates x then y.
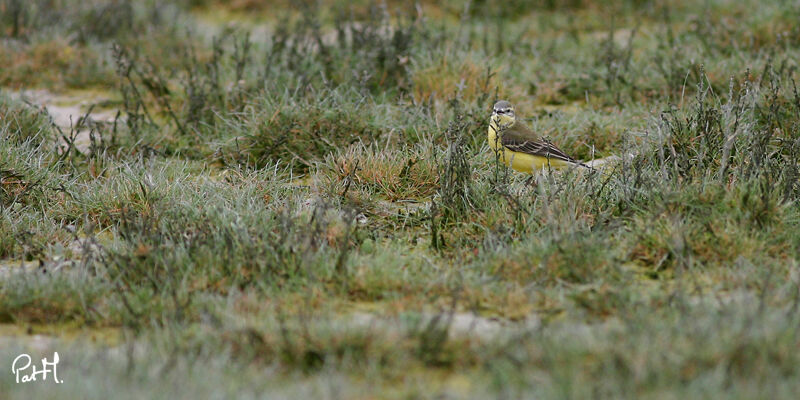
{"type": "Point", "coordinates": [497, 124]}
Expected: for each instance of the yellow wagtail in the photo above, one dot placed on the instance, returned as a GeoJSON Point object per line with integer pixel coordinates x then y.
{"type": "Point", "coordinates": [519, 147]}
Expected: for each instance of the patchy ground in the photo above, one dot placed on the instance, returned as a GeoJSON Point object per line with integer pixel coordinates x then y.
{"type": "Point", "coordinates": [76, 111]}
{"type": "Point", "coordinates": [298, 201]}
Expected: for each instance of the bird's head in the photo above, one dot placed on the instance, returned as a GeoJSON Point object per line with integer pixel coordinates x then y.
{"type": "Point", "coordinates": [503, 114]}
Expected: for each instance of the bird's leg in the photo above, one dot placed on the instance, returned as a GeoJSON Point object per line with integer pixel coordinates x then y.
{"type": "Point", "coordinates": [529, 180]}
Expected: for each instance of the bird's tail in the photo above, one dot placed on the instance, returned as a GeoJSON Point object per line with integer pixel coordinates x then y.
{"type": "Point", "coordinates": [601, 163]}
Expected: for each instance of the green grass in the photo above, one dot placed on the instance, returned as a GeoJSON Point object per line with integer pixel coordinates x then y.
{"type": "Point", "coordinates": [302, 203]}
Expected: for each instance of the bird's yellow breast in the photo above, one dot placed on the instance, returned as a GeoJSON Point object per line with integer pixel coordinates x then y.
{"type": "Point", "coordinates": [518, 161]}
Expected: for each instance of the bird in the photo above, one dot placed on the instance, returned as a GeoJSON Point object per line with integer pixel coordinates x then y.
{"type": "Point", "coordinates": [521, 148]}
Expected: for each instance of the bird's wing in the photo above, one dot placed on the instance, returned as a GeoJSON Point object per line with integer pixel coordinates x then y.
{"type": "Point", "coordinates": [520, 138]}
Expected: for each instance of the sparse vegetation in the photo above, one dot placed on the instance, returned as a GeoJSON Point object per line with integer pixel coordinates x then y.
{"type": "Point", "coordinates": [298, 201]}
